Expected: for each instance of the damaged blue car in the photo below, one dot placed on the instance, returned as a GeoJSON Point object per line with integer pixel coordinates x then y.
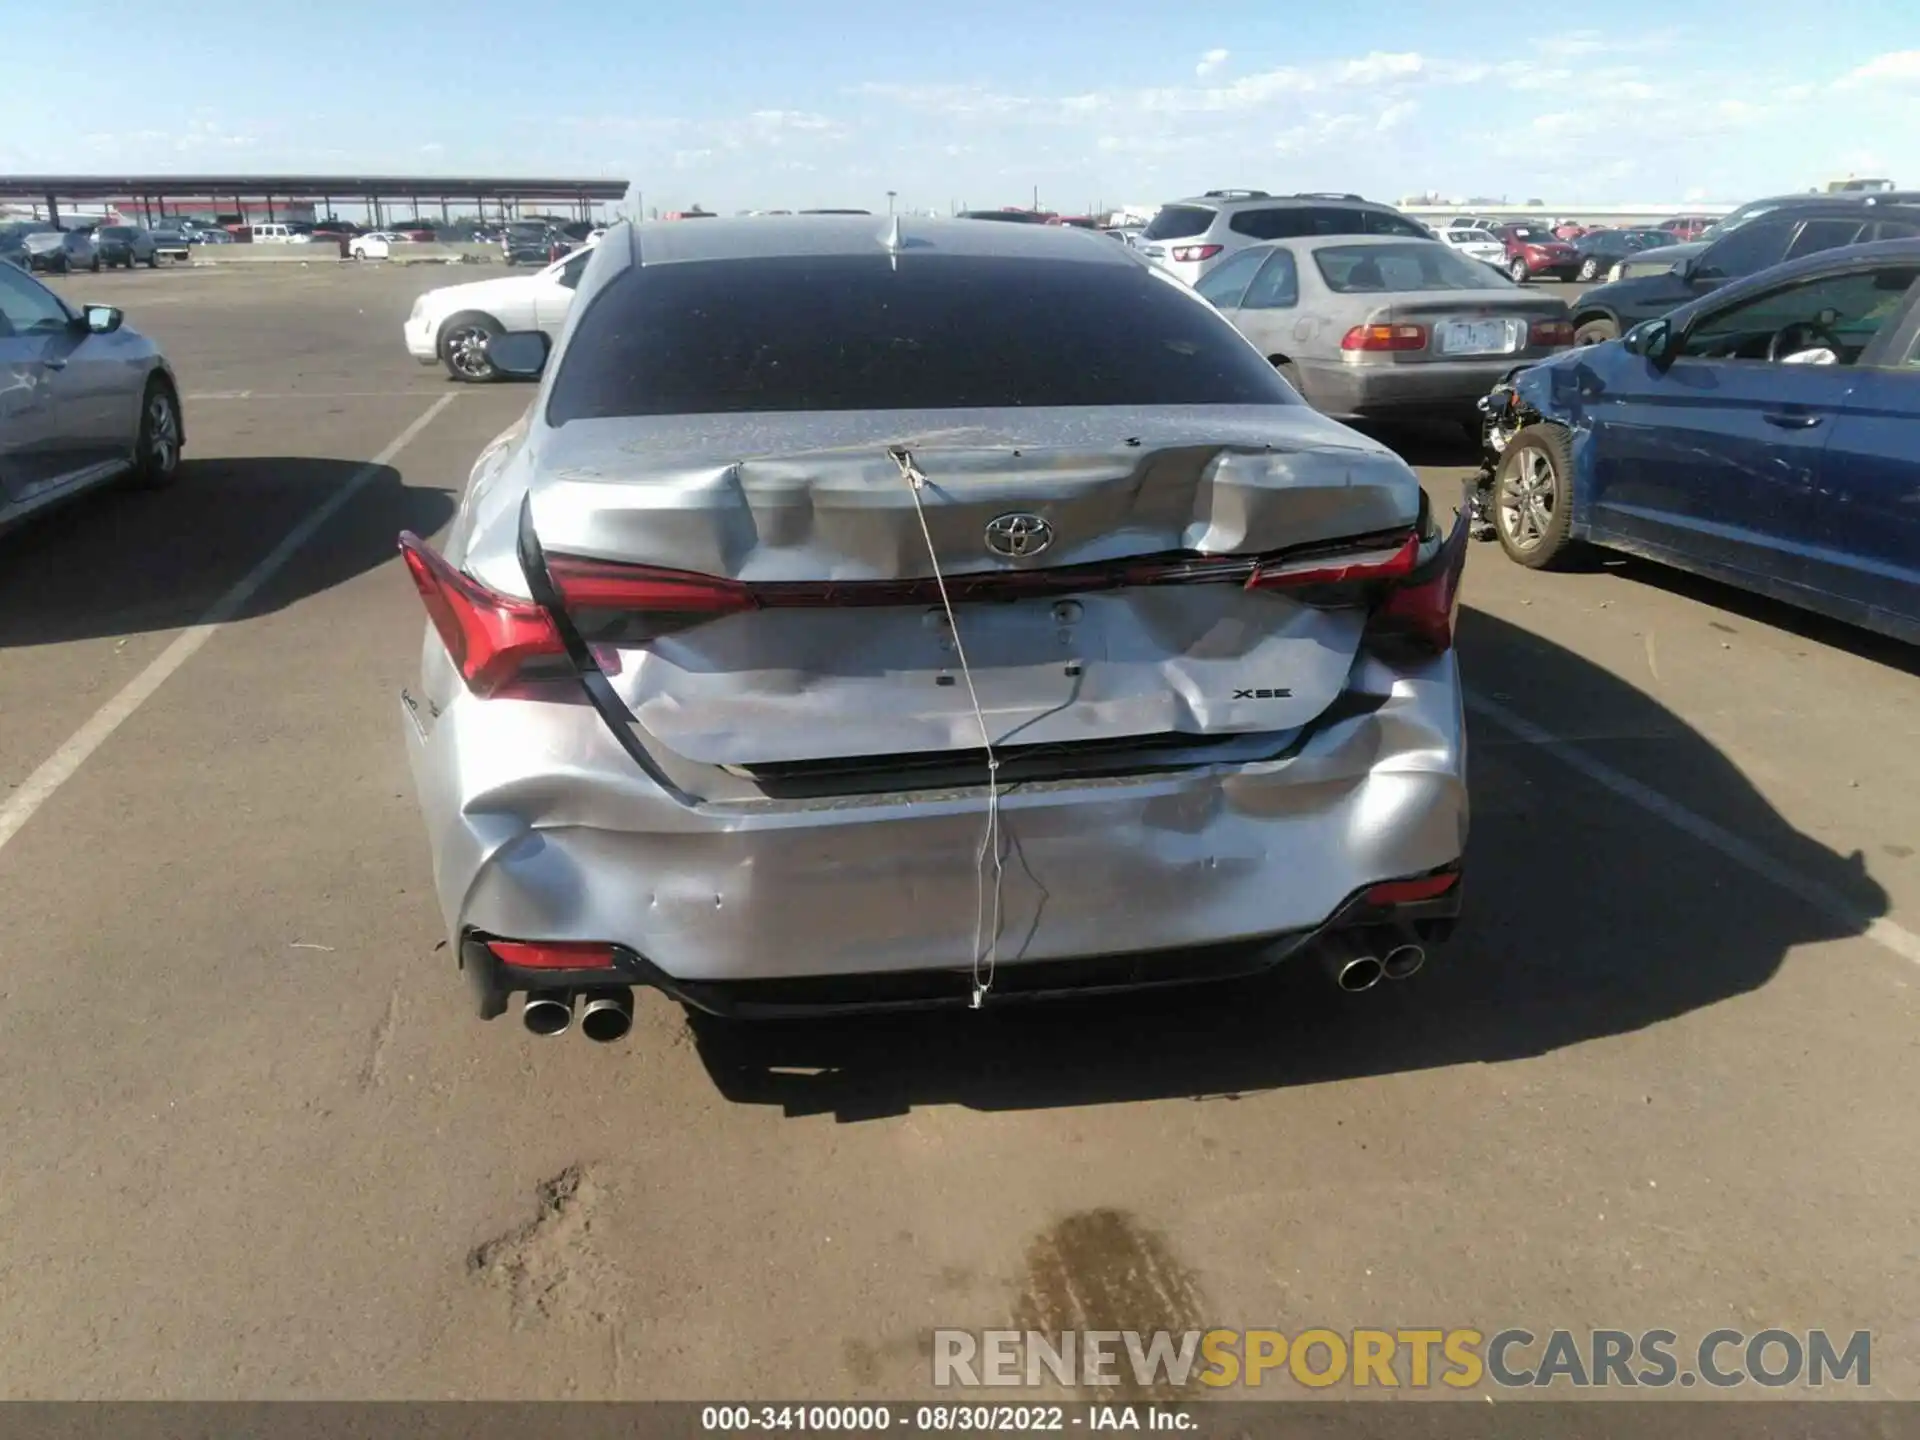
{"type": "Point", "coordinates": [1763, 436]}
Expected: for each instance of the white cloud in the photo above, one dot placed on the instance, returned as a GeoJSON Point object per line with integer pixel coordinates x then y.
{"type": "Point", "coordinates": [1395, 114]}
{"type": "Point", "coordinates": [433, 147]}
{"type": "Point", "coordinates": [1210, 62]}
{"type": "Point", "coordinates": [1895, 68]}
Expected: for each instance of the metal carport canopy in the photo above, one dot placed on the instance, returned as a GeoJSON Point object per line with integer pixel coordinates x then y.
{"type": "Point", "coordinates": [371, 187]}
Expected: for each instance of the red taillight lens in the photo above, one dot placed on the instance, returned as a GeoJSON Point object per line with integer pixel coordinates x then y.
{"type": "Point", "coordinates": [1189, 254]}
{"type": "Point", "coordinates": [645, 589]}
{"type": "Point", "coordinates": [1422, 613]}
{"type": "Point", "coordinates": [1550, 332]}
{"type": "Point", "coordinates": [554, 954]}
{"type": "Point", "coordinates": [1385, 337]}
{"type": "Point", "coordinates": [1386, 563]}
{"type": "Point", "coordinates": [489, 635]}
{"type": "Point", "coordinates": [1408, 892]}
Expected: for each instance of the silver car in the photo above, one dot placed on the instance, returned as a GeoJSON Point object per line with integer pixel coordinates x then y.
{"type": "Point", "coordinates": [61, 250]}
{"type": "Point", "coordinates": [1368, 328]}
{"type": "Point", "coordinates": [869, 613]}
{"type": "Point", "coordinates": [84, 401]}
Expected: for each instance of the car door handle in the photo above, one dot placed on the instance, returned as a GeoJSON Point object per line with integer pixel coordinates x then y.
{"type": "Point", "coordinates": [1788, 421]}
{"type": "Point", "coordinates": [54, 364]}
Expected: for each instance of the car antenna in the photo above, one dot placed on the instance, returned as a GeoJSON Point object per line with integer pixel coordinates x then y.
{"type": "Point", "coordinates": [916, 480]}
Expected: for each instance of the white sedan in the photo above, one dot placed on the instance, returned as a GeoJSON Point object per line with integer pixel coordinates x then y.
{"type": "Point", "coordinates": [374, 245]}
{"type": "Point", "coordinates": [1475, 244]}
{"type": "Point", "coordinates": [453, 325]}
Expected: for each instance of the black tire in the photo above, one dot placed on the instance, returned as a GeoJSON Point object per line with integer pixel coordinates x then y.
{"type": "Point", "coordinates": [63, 267]}
{"type": "Point", "coordinates": [1290, 373]}
{"type": "Point", "coordinates": [1589, 268]}
{"type": "Point", "coordinates": [462, 345]}
{"type": "Point", "coordinates": [162, 433]}
{"type": "Point", "coordinates": [95, 266]}
{"type": "Point", "coordinates": [1532, 499]}
{"type": "Point", "coordinates": [1517, 271]}
{"type": "Point", "coordinates": [1596, 331]}
{"type": "Point", "coordinates": [153, 261]}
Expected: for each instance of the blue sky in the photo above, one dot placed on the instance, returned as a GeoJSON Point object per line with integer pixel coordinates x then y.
{"type": "Point", "coordinates": [732, 103]}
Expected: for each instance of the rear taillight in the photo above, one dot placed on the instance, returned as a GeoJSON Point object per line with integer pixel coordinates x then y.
{"type": "Point", "coordinates": [491, 637]}
{"type": "Point", "coordinates": [554, 954]}
{"type": "Point", "coordinates": [1192, 254]}
{"type": "Point", "coordinates": [1550, 332]}
{"type": "Point", "coordinates": [645, 589]}
{"type": "Point", "coordinates": [1421, 612]}
{"type": "Point", "coordinates": [1385, 337]}
{"type": "Point", "coordinates": [1386, 563]}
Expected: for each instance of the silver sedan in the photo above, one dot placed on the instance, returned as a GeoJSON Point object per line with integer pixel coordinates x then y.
{"type": "Point", "coordinates": [1373, 327]}
{"type": "Point", "coordinates": [873, 612]}
{"type": "Point", "coordinates": [84, 401]}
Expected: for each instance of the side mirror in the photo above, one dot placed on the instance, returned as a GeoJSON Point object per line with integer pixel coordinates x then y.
{"type": "Point", "coordinates": [103, 319]}
{"type": "Point", "coordinates": [520, 353]}
{"type": "Point", "coordinates": [1652, 340]}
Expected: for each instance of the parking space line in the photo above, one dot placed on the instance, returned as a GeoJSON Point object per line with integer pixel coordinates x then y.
{"type": "Point", "coordinates": [59, 767]}
{"type": "Point", "coordinates": [1830, 902]}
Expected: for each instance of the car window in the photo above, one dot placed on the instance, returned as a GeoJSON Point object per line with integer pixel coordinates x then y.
{"type": "Point", "coordinates": [1817, 235]}
{"type": "Point", "coordinates": [1222, 285]}
{"type": "Point", "coordinates": [576, 265]}
{"type": "Point", "coordinates": [1276, 287]}
{"type": "Point", "coordinates": [942, 332]}
{"type": "Point", "coordinates": [1329, 221]}
{"type": "Point", "coordinates": [28, 307]}
{"type": "Point", "coordinates": [1413, 266]}
{"type": "Point", "coordinates": [1383, 222]}
{"type": "Point", "coordinates": [1276, 222]}
{"type": "Point", "coordinates": [1753, 247]}
{"type": "Point", "coordinates": [1850, 309]}
{"type": "Point", "coordinates": [1891, 230]}
{"type": "Point", "coordinates": [1176, 222]}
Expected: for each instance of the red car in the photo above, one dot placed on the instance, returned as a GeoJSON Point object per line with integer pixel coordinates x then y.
{"type": "Point", "coordinates": [1533, 250]}
{"type": "Point", "coordinates": [1685, 227]}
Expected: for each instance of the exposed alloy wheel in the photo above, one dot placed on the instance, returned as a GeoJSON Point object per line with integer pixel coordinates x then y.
{"type": "Point", "coordinates": [157, 460]}
{"type": "Point", "coordinates": [1595, 332]}
{"type": "Point", "coordinates": [1517, 272]}
{"type": "Point", "coordinates": [463, 348]}
{"type": "Point", "coordinates": [1589, 268]}
{"type": "Point", "coordinates": [1532, 499]}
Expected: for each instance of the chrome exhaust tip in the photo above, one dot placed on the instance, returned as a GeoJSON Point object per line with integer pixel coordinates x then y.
{"type": "Point", "coordinates": [1403, 960]}
{"type": "Point", "coordinates": [547, 1012]}
{"type": "Point", "coordinates": [607, 1015]}
{"type": "Point", "coordinates": [1350, 964]}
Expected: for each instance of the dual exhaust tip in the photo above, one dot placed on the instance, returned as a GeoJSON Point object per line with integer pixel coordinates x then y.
{"type": "Point", "coordinates": [1360, 959]}
{"type": "Point", "coordinates": [605, 1015]}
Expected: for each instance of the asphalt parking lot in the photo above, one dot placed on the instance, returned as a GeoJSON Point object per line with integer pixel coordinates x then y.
{"type": "Point", "coordinates": [258, 1145]}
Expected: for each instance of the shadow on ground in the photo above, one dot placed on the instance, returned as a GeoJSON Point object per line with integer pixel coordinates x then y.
{"type": "Point", "coordinates": [123, 562]}
{"type": "Point", "coordinates": [1586, 917]}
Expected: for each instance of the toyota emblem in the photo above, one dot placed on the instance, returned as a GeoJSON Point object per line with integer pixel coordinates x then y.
{"type": "Point", "coordinates": [1018, 536]}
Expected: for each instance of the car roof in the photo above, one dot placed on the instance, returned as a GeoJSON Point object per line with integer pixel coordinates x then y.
{"type": "Point", "coordinates": [759, 237]}
{"type": "Point", "coordinates": [1826, 209]}
{"type": "Point", "coordinates": [1229, 202]}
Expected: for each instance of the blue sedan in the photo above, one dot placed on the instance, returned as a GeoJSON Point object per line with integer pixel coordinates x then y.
{"type": "Point", "coordinates": [1766, 435]}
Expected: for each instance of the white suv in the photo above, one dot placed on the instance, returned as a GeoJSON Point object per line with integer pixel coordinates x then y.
{"type": "Point", "coordinates": [1189, 237]}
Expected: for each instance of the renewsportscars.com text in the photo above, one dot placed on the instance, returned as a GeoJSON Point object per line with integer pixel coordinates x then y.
{"type": "Point", "coordinates": [1417, 1359]}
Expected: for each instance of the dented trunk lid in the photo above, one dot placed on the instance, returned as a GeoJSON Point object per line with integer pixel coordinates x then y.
{"type": "Point", "coordinates": [776, 500]}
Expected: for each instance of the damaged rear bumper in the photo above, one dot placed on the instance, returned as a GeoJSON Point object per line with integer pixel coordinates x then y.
{"type": "Point", "coordinates": [542, 827]}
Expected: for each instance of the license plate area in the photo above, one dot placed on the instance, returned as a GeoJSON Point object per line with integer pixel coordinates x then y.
{"type": "Point", "coordinates": [1480, 337]}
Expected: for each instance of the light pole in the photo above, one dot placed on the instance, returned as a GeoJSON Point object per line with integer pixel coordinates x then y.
{"type": "Point", "coordinates": [890, 195]}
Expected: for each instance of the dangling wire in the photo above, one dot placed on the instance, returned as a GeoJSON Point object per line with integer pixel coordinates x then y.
{"type": "Point", "coordinates": [989, 952]}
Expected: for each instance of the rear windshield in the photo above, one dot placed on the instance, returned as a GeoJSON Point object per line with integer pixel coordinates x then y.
{"type": "Point", "coordinates": [1352, 269]}
{"type": "Point", "coordinates": [941, 332]}
{"type": "Point", "coordinates": [1176, 222]}
{"type": "Point", "coordinates": [117, 232]}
